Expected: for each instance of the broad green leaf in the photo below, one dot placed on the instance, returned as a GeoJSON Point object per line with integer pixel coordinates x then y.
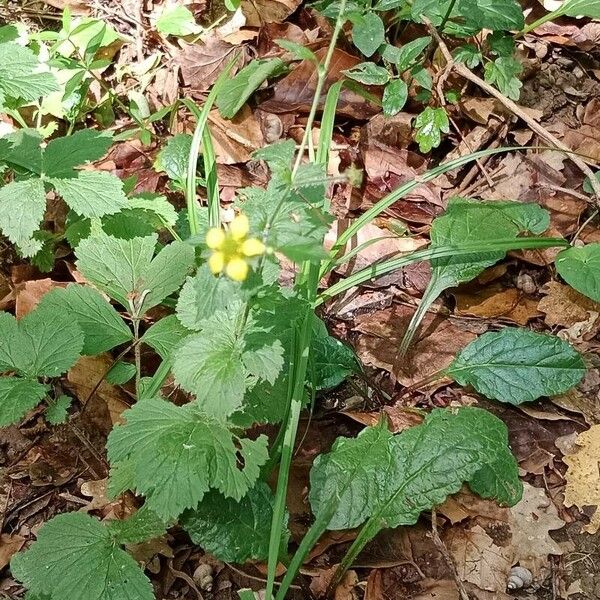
{"type": "Point", "coordinates": [102, 326]}
{"type": "Point", "coordinates": [278, 156]}
{"type": "Point", "coordinates": [501, 43]}
{"type": "Point", "coordinates": [63, 154]}
{"type": "Point", "coordinates": [144, 525]}
{"type": "Point", "coordinates": [17, 397]}
{"type": "Point", "coordinates": [76, 557]}
{"type": "Point", "coordinates": [233, 531]}
{"type": "Point", "coordinates": [405, 56]}
{"type": "Point", "coordinates": [390, 480]}
{"type": "Point", "coordinates": [154, 206]}
{"type": "Point", "coordinates": [44, 343]}
{"type": "Point", "coordinates": [580, 268]}
{"type": "Point", "coordinates": [236, 91]}
{"type": "Point", "coordinates": [178, 21]}
{"type": "Point", "coordinates": [368, 33]}
{"type": "Point", "coordinates": [434, 10]}
{"type": "Point", "coordinates": [57, 411]}
{"type": "Point", "coordinates": [178, 453]}
{"type": "Point", "coordinates": [120, 373]}
{"type": "Point", "coordinates": [430, 124]}
{"type": "Point", "coordinates": [165, 336]}
{"type": "Point", "coordinates": [333, 361]}
{"type": "Point", "coordinates": [493, 14]}
{"type": "Point", "coordinates": [92, 193]}
{"type": "Point", "coordinates": [20, 74]}
{"type": "Point", "coordinates": [503, 73]}
{"type": "Point", "coordinates": [581, 8]}
{"type": "Point", "coordinates": [173, 157]}
{"type": "Point", "coordinates": [214, 365]}
{"type": "Point", "coordinates": [22, 208]}
{"type": "Point", "coordinates": [368, 73]}
{"type": "Point", "coordinates": [517, 365]}
{"type": "Point", "coordinates": [203, 295]}
{"type": "Point", "coordinates": [126, 269]}
{"type": "Point", "coordinates": [22, 148]}
{"type": "Point", "coordinates": [394, 98]}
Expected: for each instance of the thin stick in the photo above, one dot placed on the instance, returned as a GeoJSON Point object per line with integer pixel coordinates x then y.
{"type": "Point", "coordinates": [515, 109]}
{"type": "Point", "coordinates": [437, 540]}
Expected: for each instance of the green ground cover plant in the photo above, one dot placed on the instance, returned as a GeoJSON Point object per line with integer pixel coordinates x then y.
{"type": "Point", "coordinates": [247, 350]}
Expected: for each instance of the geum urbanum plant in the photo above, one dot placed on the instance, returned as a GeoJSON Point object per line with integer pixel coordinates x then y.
{"type": "Point", "coordinates": [250, 351]}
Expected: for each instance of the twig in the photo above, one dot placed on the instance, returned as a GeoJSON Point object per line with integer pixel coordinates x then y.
{"type": "Point", "coordinates": [437, 540]}
{"type": "Point", "coordinates": [515, 109]}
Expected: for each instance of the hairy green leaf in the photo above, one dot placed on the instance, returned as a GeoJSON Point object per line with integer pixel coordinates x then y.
{"type": "Point", "coordinates": [22, 148]}
{"type": "Point", "coordinates": [580, 268]}
{"type": "Point", "coordinates": [517, 365]}
{"type": "Point", "coordinates": [76, 557]}
{"type": "Point", "coordinates": [177, 453]}
{"type": "Point", "coordinates": [233, 531]}
{"type": "Point", "coordinates": [102, 326]}
{"type": "Point", "coordinates": [140, 527]}
{"type": "Point", "coordinates": [17, 397]}
{"type": "Point", "coordinates": [57, 411]}
{"type": "Point", "coordinates": [165, 336]}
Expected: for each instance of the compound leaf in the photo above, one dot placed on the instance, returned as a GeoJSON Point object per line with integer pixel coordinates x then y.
{"type": "Point", "coordinates": [22, 208]}
{"type": "Point", "coordinates": [102, 326]}
{"type": "Point", "coordinates": [233, 531]}
{"type": "Point", "coordinates": [430, 124]}
{"type": "Point", "coordinates": [76, 557]}
{"type": "Point", "coordinates": [177, 453]}
{"type": "Point", "coordinates": [503, 73]}
{"type": "Point", "coordinates": [17, 397]}
{"type": "Point", "coordinates": [517, 365]}
{"type": "Point", "coordinates": [493, 14]}
{"type": "Point", "coordinates": [57, 411]}
{"type": "Point", "coordinates": [580, 268]}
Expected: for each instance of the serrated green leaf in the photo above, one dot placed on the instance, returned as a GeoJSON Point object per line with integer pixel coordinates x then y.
{"type": "Point", "coordinates": [394, 98]}
{"type": "Point", "coordinates": [126, 269]}
{"type": "Point", "coordinates": [469, 54]}
{"type": "Point", "coordinates": [179, 453]}
{"type": "Point", "coordinates": [63, 154]}
{"type": "Point", "coordinates": [580, 268]}
{"type": "Point", "coordinates": [120, 373]}
{"type": "Point", "coordinates": [517, 365]}
{"type": "Point", "coordinates": [392, 479]}
{"type": "Point", "coordinates": [57, 411]}
{"type": "Point", "coordinates": [102, 326]}
{"type": "Point", "coordinates": [234, 531]}
{"type": "Point", "coordinates": [43, 343]}
{"type": "Point", "coordinates": [22, 148]}
{"type": "Point", "coordinates": [368, 33]}
{"type": "Point", "coordinates": [405, 56]}
{"type": "Point", "coordinates": [503, 73]}
{"type": "Point", "coordinates": [493, 14]}
{"type": "Point", "coordinates": [165, 336]}
{"type": "Point", "coordinates": [501, 43]}
{"type": "Point", "coordinates": [156, 205]}
{"type": "Point", "coordinates": [20, 77]}
{"type": "Point", "coordinates": [430, 124]}
{"type": "Point", "coordinates": [203, 295]}
{"type": "Point", "coordinates": [22, 208]}
{"type": "Point", "coordinates": [368, 73]}
{"type": "Point", "coordinates": [76, 557]}
{"type": "Point", "coordinates": [92, 193]}
{"type": "Point", "coordinates": [173, 157]}
{"type": "Point", "coordinates": [144, 525]}
{"type": "Point", "coordinates": [178, 21]}
{"type": "Point", "coordinates": [17, 397]}
{"type": "Point", "coordinates": [581, 8]}
{"type": "Point", "coordinates": [236, 91]}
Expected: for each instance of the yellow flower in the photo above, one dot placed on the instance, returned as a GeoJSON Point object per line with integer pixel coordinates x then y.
{"type": "Point", "coordinates": [233, 250]}
{"type": "Point", "coordinates": [237, 269]}
{"type": "Point", "coordinates": [253, 247]}
{"type": "Point", "coordinates": [239, 227]}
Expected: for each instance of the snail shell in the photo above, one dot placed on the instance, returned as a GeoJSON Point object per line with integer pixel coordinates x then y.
{"type": "Point", "coordinates": [518, 578]}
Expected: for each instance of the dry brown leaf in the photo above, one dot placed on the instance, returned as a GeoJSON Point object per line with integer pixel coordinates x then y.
{"type": "Point", "coordinates": [393, 131]}
{"type": "Point", "coordinates": [9, 546]}
{"type": "Point", "coordinates": [235, 139]}
{"type": "Point", "coordinates": [466, 505]}
{"type": "Point", "coordinates": [77, 7]}
{"type": "Point", "coordinates": [583, 476]}
{"type": "Point", "coordinates": [531, 520]}
{"type": "Point", "coordinates": [586, 139]}
{"type": "Point", "coordinates": [584, 404]}
{"type": "Point", "coordinates": [478, 559]}
{"type": "Point", "coordinates": [399, 417]}
{"type": "Point", "coordinates": [565, 306]}
{"type": "Point", "coordinates": [258, 12]}
{"type": "Point", "coordinates": [387, 584]}
{"type": "Point", "coordinates": [29, 294]}
{"type": "Point", "coordinates": [295, 91]}
{"type": "Point", "coordinates": [438, 341]}
{"type": "Point", "coordinates": [495, 301]}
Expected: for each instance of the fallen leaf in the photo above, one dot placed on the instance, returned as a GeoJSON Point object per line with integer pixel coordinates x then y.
{"type": "Point", "coordinates": [258, 12]}
{"type": "Point", "coordinates": [478, 559]}
{"type": "Point", "coordinates": [586, 139]}
{"type": "Point", "coordinates": [235, 139]}
{"type": "Point", "coordinates": [531, 520]}
{"type": "Point", "coordinates": [467, 505]}
{"type": "Point", "coordinates": [387, 584]}
{"type": "Point", "coordinates": [584, 404]}
{"type": "Point", "coordinates": [10, 544]}
{"type": "Point", "coordinates": [438, 342]}
{"type": "Point", "coordinates": [583, 477]}
{"type": "Point", "coordinates": [393, 131]}
{"type": "Point", "coordinates": [399, 417]}
{"type": "Point", "coordinates": [28, 295]}
{"type": "Point", "coordinates": [564, 305]}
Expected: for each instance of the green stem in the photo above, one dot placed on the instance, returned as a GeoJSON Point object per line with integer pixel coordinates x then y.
{"type": "Point", "coordinates": [158, 379]}
{"type": "Point", "coordinates": [547, 17]}
{"type": "Point", "coordinates": [447, 15]}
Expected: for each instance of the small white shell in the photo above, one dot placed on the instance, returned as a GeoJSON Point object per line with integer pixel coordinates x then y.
{"type": "Point", "coordinates": [203, 577]}
{"type": "Point", "coordinates": [518, 578]}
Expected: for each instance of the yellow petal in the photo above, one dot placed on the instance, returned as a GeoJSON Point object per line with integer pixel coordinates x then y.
{"type": "Point", "coordinates": [215, 238]}
{"type": "Point", "coordinates": [216, 262]}
{"type": "Point", "coordinates": [237, 269]}
{"type": "Point", "coordinates": [253, 247]}
{"type": "Point", "coordinates": [239, 227]}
